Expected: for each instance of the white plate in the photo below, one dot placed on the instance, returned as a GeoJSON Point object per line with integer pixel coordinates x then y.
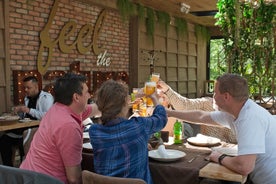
{"type": "Point", "coordinates": [87, 145]}
{"type": "Point", "coordinates": [9, 118]}
{"type": "Point", "coordinates": [25, 120]}
{"type": "Point", "coordinates": [86, 135]}
{"type": "Point", "coordinates": [172, 155]}
{"type": "Point", "coordinates": [203, 140]}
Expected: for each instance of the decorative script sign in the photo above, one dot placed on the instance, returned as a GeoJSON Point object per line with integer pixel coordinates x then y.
{"type": "Point", "coordinates": [103, 59]}
{"type": "Point", "coordinates": [47, 45]}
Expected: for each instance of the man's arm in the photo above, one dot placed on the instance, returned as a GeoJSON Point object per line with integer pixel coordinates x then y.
{"type": "Point", "coordinates": [180, 102]}
{"type": "Point", "coordinates": [73, 174]}
{"type": "Point", "coordinates": [243, 164]}
{"type": "Point", "coordinates": [43, 104]}
{"type": "Point", "coordinates": [197, 116]}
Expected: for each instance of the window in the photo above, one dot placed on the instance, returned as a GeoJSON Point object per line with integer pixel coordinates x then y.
{"type": "Point", "coordinates": [217, 64]}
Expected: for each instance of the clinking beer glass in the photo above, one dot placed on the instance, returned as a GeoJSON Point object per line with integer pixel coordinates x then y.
{"type": "Point", "coordinates": [155, 77]}
{"type": "Point", "coordinates": [150, 88]}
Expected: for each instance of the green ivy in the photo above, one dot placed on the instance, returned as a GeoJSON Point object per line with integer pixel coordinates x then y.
{"type": "Point", "coordinates": [126, 9]}
{"type": "Point", "coordinates": [181, 26]}
{"type": "Point", "coordinates": [164, 19]}
{"type": "Point", "coordinates": [202, 31]}
{"type": "Point", "coordinates": [150, 21]}
{"type": "Point", "coordinates": [249, 42]}
{"type": "Point", "coordinates": [141, 12]}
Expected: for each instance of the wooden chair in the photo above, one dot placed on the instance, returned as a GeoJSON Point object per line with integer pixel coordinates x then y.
{"type": "Point", "coordinates": [93, 178]}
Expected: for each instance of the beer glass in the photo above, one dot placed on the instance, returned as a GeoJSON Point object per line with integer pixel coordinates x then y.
{"type": "Point", "coordinates": [155, 77]}
{"type": "Point", "coordinates": [150, 88]}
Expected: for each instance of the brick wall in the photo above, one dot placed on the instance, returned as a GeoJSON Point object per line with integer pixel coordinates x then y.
{"type": "Point", "coordinates": [27, 21]}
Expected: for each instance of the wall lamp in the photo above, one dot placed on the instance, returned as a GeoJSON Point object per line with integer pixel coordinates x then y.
{"type": "Point", "coordinates": [184, 8]}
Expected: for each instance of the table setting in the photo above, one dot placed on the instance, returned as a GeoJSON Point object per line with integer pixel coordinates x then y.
{"type": "Point", "coordinates": [193, 156]}
{"type": "Point", "coordinates": [10, 121]}
{"type": "Point", "coordinates": [181, 163]}
{"type": "Point", "coordinates": [8, 117]}
{"type": "Point", "coordinates": [166, 155]}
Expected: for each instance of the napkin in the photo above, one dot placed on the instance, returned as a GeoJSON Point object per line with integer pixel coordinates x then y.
{"type": "Point", "coordinates": [162, 152]}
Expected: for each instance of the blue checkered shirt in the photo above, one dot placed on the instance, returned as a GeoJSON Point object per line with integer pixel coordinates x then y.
{"type": "Point", "coordinates": [121, 149]}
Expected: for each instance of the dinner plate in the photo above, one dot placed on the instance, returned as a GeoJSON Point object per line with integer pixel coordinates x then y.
{"type": "Point", "coordinates": [9, 118]}
{"type": "Point", "coordinates": [203, 140]}
{"type": "Point", "coordinates": [87, 145]}
{"type": "Point", "coordinates": [172, 155]}
{"type": "Point", "coordinates": [25, 120]}
{"type": "Point", "coordinates": [86, 135]}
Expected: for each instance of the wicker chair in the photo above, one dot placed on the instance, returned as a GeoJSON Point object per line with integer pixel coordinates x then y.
{"type": "Point", "coordinates": [223, 133]}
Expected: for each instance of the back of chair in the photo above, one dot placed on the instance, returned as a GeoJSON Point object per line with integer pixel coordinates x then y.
{"type": "Point", "coordinates": [12, 175]}
{"type": "Point", "coordinates": [93, 178]}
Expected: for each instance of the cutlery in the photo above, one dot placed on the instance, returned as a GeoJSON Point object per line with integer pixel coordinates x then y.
{"type": "Point", "coordinates": [193, 158]}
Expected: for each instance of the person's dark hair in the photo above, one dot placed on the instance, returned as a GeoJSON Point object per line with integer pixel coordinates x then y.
{"type": "Point", "coordinates": [111, 97]}
{"type": "Point", "coordinates": [30, 78]}
{"type": "Point", "coordinates": [235, 85]}
{"type": "Point", "coordinates": [66, 86]}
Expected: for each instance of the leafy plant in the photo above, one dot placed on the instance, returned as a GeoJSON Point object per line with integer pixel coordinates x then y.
{"type": "Point", "coordinates": [249, 42]}
{"type": "Point", "coordinates": [141, 12]}
{"type": "Point", "coordinates": [126, 9]}
{"type": "Point", "coordinates": [218, 65]}
{"type": "Point", "coordinates": [181, 26]}
{"type": "Point", "coordinates": [202, 31]}
{"type": "Point", "coordinates": [163, 18]}
{"type": "Point", "coordinates": [150, 21]}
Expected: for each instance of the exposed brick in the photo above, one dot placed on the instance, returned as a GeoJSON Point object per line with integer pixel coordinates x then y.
{"type": "Point", "coordinates": [27, 21]}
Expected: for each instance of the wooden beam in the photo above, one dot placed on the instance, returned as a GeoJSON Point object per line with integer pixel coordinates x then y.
{"type": "Point", "coordinates": [110, 4]}
{"type": "Point", "coordinates": [171, 7]}
{"type": "Point", "coordinates": [174, 10]}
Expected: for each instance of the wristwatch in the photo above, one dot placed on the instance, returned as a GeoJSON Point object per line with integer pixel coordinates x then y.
{"type": "Point", "coordinates": [221, 157]}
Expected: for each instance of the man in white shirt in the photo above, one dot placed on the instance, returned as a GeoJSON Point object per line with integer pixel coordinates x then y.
{"type": "Point", "coordinates": [37, 103]}
{"type": "Point", "coordinates": [254, 126]}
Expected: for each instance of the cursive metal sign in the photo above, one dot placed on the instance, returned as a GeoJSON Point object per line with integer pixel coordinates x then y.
{"type": "Point", "coordinates": [47, 44]}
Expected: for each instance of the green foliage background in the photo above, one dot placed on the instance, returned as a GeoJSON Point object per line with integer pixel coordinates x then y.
{"type": "Point", "coordinates": [249, 42]}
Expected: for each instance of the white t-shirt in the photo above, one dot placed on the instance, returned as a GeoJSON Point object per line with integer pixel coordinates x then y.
{"type": "Point", "coordinates": [255, 129]}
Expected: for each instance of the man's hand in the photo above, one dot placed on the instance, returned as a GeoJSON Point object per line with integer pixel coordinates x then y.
{"type": "Point", "coordinates": [214, 156]}
{"type": "Point", "coordinates": [22, 108]}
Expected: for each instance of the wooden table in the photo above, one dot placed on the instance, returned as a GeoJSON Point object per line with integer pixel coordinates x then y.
{"type": "Point", "coordinates": [219, 172]}
{"type": "Point", "coordinates": [198, 166]}
{"type": "Point", "coordinates": [15, 124]}
{"type": "Point", "coordinates": [182, 171]}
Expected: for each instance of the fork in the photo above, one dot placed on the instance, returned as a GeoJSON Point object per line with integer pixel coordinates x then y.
{"type": "Point", "coordinates": [189, 161]}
